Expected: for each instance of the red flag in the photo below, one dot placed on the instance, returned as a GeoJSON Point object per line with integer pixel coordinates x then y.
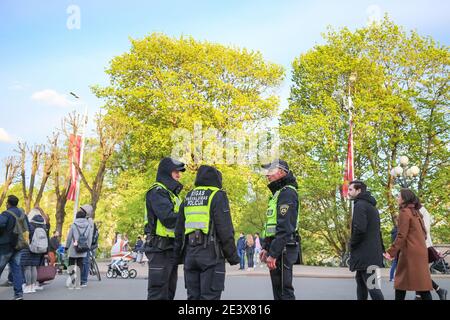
{"type": "Point", "coordinates": [348, 173]}
{"type": "Point", "coordinates": [74, 156]}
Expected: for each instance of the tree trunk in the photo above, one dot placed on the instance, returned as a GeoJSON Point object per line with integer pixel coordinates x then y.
{"type": "Point", "coordinates": [60, 213]}
{"type": "Point", "coordinates": [41, 189]}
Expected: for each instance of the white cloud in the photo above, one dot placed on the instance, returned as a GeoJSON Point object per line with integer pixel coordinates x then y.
{"type": "Point", "coordinates": [5, 137]}
{"type": "Point", "coordinates": [52, 98]}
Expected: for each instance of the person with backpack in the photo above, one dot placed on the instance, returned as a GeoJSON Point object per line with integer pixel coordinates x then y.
{"type": "Point", "coordinates": [33, 256]}
{"type": "Point", "coordinates": [78, 243]}
{"type": "Point", "coordinates": [250, 251]}
{"type": "Point", "coordinates": [13, 238]}
{"type": "Point", "coordinates": [94, 244]}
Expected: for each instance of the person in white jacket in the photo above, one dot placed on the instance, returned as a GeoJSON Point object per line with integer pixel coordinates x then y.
{"type": "Point", "coordinates": [442, 293]}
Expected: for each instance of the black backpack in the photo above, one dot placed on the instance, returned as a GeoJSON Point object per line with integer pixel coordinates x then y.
{"type": "Point", "coordinates": [82, 242]}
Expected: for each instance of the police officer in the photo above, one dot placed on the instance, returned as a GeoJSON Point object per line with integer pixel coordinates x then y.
{"type": "Point", "coordinates": [162, 204]}
{"type": "Point", "coordinates": [281, 243]}
{"type": "Point", "coordinates": [205, 236]}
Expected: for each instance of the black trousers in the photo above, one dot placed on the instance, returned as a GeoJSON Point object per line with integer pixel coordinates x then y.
{"type": "Point", "coordinates": [435, 287]}
{"type": "Point", "coordinates": [401, 294]}
{"type": "Point", "coordinates": [162, 276]}
{"type": "Point", "coordinates": [76, 261]}
{"type": "Point", "coordinates": [362, 291]}
{"type": "Point", "coordinates": [281, 276]}
{"type": "Point", "coordinates": [204, 273]}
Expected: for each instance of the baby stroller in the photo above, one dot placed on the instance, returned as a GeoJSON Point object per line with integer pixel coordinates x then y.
{"type": "Point", "coordinates": [119, 267]}
{"type": "Point", "coordinates": [441, 265]}
{"type": "Point", "coordinates": [62, 261]}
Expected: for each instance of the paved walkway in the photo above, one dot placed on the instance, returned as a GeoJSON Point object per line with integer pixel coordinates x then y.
{"type": "Point", "coordinates": [299, 271]}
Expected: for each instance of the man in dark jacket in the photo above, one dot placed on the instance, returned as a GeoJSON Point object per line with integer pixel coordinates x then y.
{"type": "Point", "coordinates": [366, 245]}
{"type": "Point", "coordinates": [8, 240]}
{"type": "Point", "coordinates": [240, 245]}
{"type": "Point", "coordinates": [205, 236]}
{"type": "Point", "coordinates": [162, 205]}
{"type": "Point", "coordinates": [281, 243]}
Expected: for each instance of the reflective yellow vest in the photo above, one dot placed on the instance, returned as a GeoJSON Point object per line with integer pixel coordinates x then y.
{"type": "Point", "coordinates": [197, 208]}
{"type": "Point", "coordinates": [271, 222]}
{"type": "Point", "coordinates": [161, 230]}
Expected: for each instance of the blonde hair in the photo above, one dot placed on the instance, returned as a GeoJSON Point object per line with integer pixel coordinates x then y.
{"type": "Point", "coordinates": [250, 241]}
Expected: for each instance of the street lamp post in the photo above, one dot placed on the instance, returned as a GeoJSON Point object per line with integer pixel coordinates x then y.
{"type": "Point", "coordinates": [404, 175]}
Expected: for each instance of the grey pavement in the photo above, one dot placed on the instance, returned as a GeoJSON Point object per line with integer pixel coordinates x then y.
{"type": "Point", "coordinates": [310, 283]}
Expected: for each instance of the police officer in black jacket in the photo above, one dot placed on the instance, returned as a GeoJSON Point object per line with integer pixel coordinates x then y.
{"type": "Point", "coordinates": [281, 243]}
{"type": "Point", "coordinates": [162, 205]}
{"type": "Point", "coordinates": [205, 236]}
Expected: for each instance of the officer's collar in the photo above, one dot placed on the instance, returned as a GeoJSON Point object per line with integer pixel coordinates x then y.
{"type": "Point", "coordinates": [171, 184]}
{"type": "Point", "coordinates": [289, 179]}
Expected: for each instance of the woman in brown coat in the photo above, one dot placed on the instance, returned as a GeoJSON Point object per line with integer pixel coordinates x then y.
{"type": "Point", "coordinates": [412, 273]}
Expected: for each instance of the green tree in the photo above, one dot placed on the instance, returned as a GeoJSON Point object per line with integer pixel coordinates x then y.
{"type": "Point", "coordinates": [164, 83]}
{"type": "Point", "coordinates": [401, 107]}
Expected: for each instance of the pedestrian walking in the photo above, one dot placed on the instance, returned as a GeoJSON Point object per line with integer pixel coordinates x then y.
{"type": "Point", "coordinates": [14, 236]}
{"type": "Point", "coordinates": [250, 251]}
{"type": "Point", "coordinates": [413, 273]}
{"type": "Point", "coordinates": [78, 244]}
{"type": "Point", "coordinates": [366, 244]}
{"type": "Point", "coordinates": [240, 245]}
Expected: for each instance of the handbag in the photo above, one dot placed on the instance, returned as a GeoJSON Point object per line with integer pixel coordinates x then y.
{"type": "Point", "coordinates": [433, 255]}
{"type": "Point", "coordinates": [46, 273]}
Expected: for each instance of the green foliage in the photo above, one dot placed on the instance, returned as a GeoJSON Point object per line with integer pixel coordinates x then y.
{"type": "Point", "coordinates": [400, 107]}
{"type": "Point", "coordinates": [165, 83]}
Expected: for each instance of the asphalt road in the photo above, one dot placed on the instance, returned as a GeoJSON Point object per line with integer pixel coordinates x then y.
{"type": "Point", "coordinates": [242, 287]}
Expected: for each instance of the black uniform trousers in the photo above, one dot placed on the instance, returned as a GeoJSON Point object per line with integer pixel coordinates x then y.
{"type": "Point", "coordinates": [162, 275]}
{"type": "Point", "coordinates": [204, 273]}
{"type": "Point", "coordinates": [281, 276]}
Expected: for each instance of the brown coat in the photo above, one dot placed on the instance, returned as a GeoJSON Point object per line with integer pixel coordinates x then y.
{"type": "Point", "coordinates": [413, 273]}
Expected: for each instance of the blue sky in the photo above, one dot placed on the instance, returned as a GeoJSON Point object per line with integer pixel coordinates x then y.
{"type": "Point", "coordinates": [42, 60]}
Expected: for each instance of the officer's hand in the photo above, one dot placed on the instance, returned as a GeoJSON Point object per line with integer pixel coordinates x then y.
{"type": "Point", "coordinates": [235, 260]}
{"type": "Point", "coordinates": [271, 263]}
{"type": "Point", "coordinates": [263, 256]}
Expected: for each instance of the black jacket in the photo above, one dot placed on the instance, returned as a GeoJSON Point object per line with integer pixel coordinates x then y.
{"type": "Point", "coordinates": [219, 216]}
{"type": "Point", "coordinates": [7, 223]}
{"type": "Point", "coordinates": [366, 245]}
{"type": "Point", "coordinates": [158, 202]}
{"type": "Point", "coordinates": [54, 243]}
{"type": "Point", "coordinates": [286, 220]}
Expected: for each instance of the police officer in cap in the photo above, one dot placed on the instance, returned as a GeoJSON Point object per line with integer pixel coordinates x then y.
{"type": "Point", "coordinates": [162, 203]}
{"type": "Point", "coordinates": [281, 243]}
{"type": "Point", "coordinates": [205, 236]}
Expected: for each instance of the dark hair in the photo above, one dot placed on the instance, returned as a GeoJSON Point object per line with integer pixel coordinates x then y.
{"type": "Point", "coordinates": [81, 214]}
{"type": "Point", "coordinates": [410, 197]}
{"type": "Point", "coordinates": [359, 185]}
{"type": "Point", "coordinates": [13, 200]}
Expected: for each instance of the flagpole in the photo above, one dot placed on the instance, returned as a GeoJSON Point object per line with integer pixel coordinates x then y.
{"type": "Point", "coordinates": [80, 164]}
{"type": "Point", "coordinates": [350, 105]}
{"type": "Point", "coordinates": [352, 79]}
